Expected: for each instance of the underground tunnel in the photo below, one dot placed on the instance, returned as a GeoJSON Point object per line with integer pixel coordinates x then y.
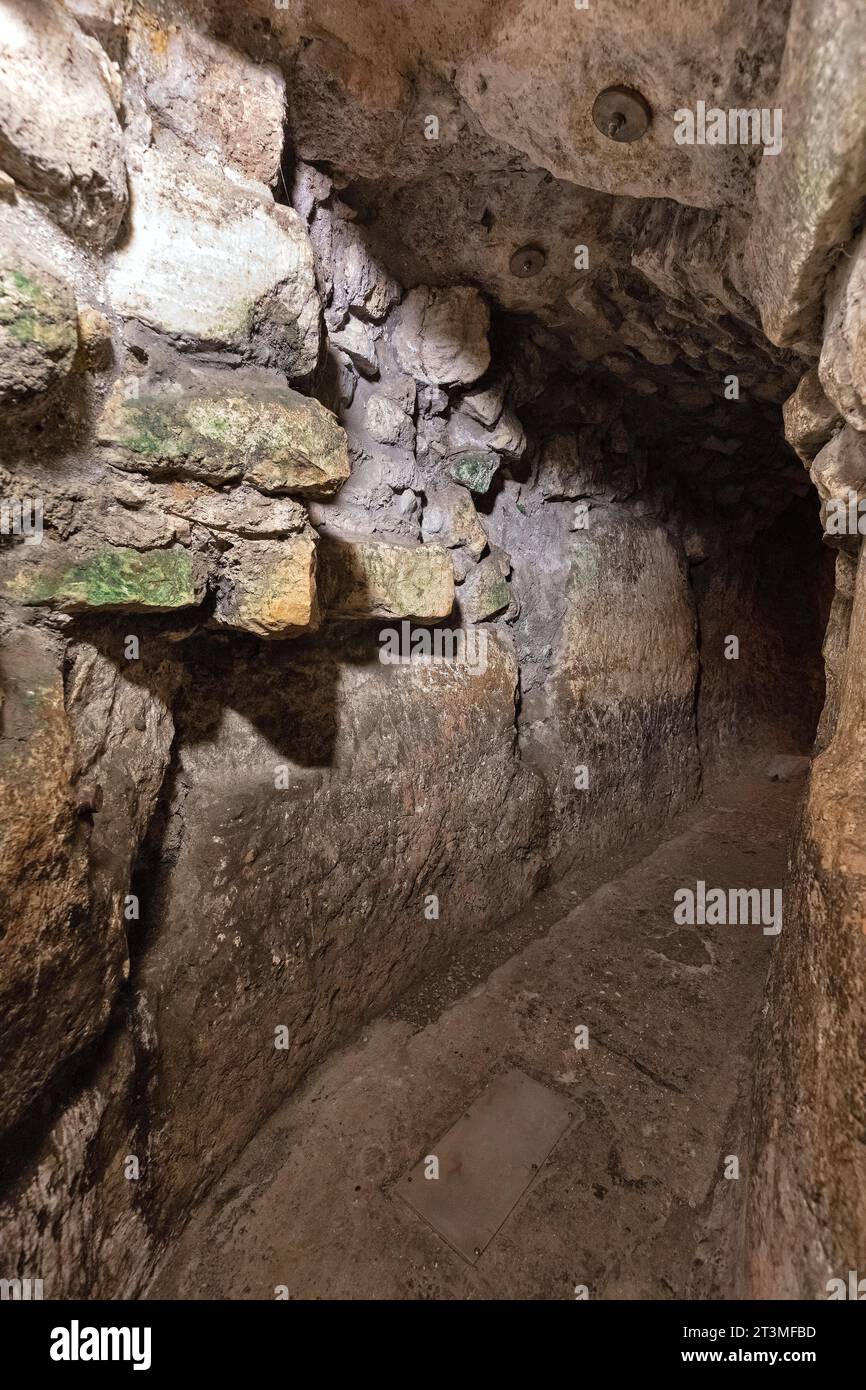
{"type": "Point", "coordinates": [433, 828]}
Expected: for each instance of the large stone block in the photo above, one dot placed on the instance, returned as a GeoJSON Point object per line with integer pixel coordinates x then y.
{"type": "Point", "coordinates": [450, 519]}
{"type": "Point", "coordinates": [277, 439]}
{"type": "Point", "coordinates": [111, 578]}
{"type": "Point", "coordinates": [840, 467]}
{"type": "Point", "coordinates": [364, 578]}
{"type": "Point", "coordinates": [216, 263]}
{"type": "Point", "coordinates": [809, 198]}
{"type": "Point", "coordinates": [220, 103]}
{"type": "Point", "coordinates": [843, 356]}
{"type": "Point", "coordinates": [809, 417]}
{"type": "Point", "coordinates": [59, 133]}
{"type": "Point", "coordinates": [241, 511]}
{"type": "Point", "coordinates": [485, 590]}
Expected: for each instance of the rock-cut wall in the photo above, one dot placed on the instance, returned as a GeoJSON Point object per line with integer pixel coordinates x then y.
{"type": "Point", "coordinates": [244, 463]}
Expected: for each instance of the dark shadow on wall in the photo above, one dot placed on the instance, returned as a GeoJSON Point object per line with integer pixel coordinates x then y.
{"type": "Point", "coordinates": [774, 597]}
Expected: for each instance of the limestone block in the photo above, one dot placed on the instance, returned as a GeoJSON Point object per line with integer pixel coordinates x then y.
{"type": "Point", "coordinates": [440, 336]}
{"type": "Point", "coordinates": [216, 263]}
{"type": "Point", "coordinates": [363, 578]}
{"type": "Point", "coordinates": [269, 587]}
{"type": "Point", "coordinates": [60, 137]}
{"type": "Point", "coordinates": [38, 337]}
{"type": "Point", "coordinates": [279, 440]}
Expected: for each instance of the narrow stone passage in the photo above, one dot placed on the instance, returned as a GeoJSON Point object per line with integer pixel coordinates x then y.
{"type": "Point", "coordinates": [432, 487]}
{"type": "Point", "coordinates": [632, 1201]}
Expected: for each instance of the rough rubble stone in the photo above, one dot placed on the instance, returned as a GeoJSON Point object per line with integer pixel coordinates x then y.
{"type": "Point", "coordinates": [144, 525]}
{"type": "Point", "coordinates": [440, 336]}
{"type": "Point", "coordinates": [505, 437]}
{"type": "Point", "coordinates": [220, 103]}
{"type": "Point", "coordinates": [809, 417]}
{"type": "Point", "coordinates": [840, 467]}
{"type": "Point", "coordinates": [239, 274]}
{"type": "Point", "coordinates": [240, 512]}
{"type": "Point", "coordinates": [38, 338]}
{"type": "Point", "coordinates": [358, 341]}
{"type": "Point", "coordinates": [842, 367]}
{"type": "Point", "coordinates": [60, 137]}
{"type": "Point", "coordinates": [363, 578]}
{"type": "Point", "coordinates": [450, 519]}
{"type": "Point", "coordinates": [278, 440]}
{"type": "Point", "coordinates": [486, 591]}
{"type": "Point", "coordinates": [388, 414]}
{"type": "Point", "coordinates": [485, 406]}
{"type": "Point", "coordinates": [310, 188]}
{"type": "Point", "coordinates": [353, 279]}
{"type": "Point", "coordinates": [475, 469]}
{"type": "Point", "coordinates": [269, 587]}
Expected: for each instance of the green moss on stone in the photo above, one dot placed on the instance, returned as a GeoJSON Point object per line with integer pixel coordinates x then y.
{"type": "Point", "coordinates": [113, 577]}
{"type": "Point", "coordinates": [282, 441]}
{"type": "Point", "coordinates": [475, 469]}
{"type": "Point", "coordinates": [31, 313]}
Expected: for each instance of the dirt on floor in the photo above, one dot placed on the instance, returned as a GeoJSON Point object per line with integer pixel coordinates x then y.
{"type": "Point", "coordinates": [635, 1199]}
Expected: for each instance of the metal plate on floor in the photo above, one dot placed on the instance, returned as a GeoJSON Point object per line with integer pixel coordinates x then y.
{"type": "Point", "coordinates": [486, 1161]}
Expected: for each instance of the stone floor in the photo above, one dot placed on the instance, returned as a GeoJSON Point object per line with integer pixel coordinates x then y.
{"type": "Point", "coordinates": [630, 1200]}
